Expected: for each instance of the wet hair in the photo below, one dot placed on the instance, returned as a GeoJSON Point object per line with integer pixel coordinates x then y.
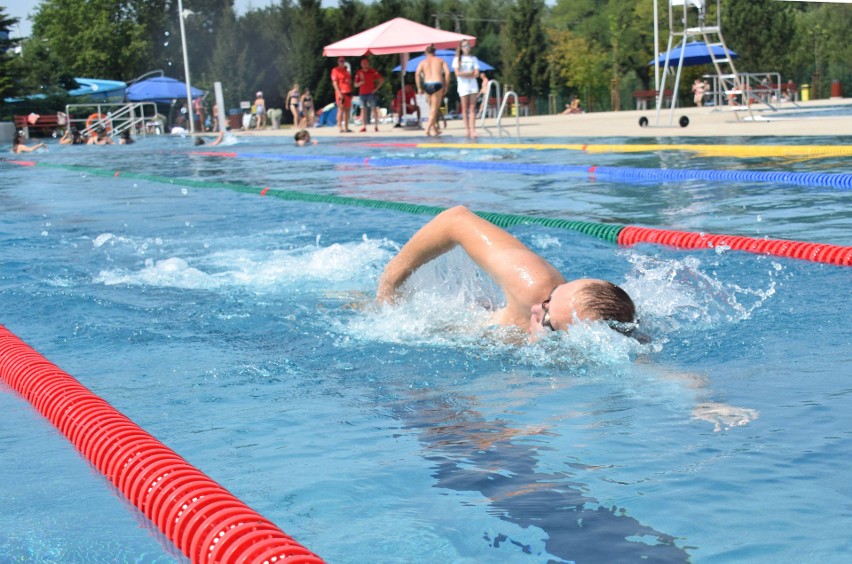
{"type": "Point", "coordinates": [302, 135]}
{"type": "Point", "coordinates": [199, 141]}
{"type": "Point", "coordinates": [610, 303]}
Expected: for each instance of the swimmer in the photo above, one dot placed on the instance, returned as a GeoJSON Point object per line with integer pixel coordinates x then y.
{"type": "Point", "coordinates": [19, 146]}
{"type": "Point", "coordinates": [538, 298]}
{"type": "Point", "coordinates": [125, 138]}
{"type": "Point", "coordinates": [303, 138]}
{"type": "Point", "coordinates": [217, 141]}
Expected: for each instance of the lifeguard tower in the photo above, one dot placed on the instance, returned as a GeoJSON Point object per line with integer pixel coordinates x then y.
{"type": "Point", "coordinates": [688, 21]}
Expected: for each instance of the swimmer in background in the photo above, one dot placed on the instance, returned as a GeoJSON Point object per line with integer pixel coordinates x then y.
{"type": "Point", "coordinates": [125, 138]}
{"type": "Point", "coordinates": [217, 141]}
{"type": "Point", "coordinates": [20, 146]}
{"type": "Point", "coordinates": [303, 137]}
{"type": "Point", "coordinates": [538, 298]}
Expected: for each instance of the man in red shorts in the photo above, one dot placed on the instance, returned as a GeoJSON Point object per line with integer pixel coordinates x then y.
{"type": "Point", "coordinates": [342, 82]}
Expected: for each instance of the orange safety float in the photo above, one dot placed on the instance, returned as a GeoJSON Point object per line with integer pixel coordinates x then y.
{"type": "Point", "coordinates": [98, 117]}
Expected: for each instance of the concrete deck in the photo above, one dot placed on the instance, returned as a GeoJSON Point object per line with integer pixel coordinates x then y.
{"type": "Point", "coordinates": [703, 122]}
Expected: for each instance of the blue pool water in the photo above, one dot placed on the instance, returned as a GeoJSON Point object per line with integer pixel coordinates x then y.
{"type": "Point", "coordinates": [238, 330]}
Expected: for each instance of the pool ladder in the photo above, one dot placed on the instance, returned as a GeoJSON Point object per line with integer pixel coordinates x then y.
{"type": "Point", "coordinates": [484, 110]}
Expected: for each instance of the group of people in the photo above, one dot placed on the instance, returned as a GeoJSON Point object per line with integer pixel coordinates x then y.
{"type": "Point", "coordinates": [432, 79]}
{"type": "Point", "coordinates": [73, 136]}
{"type": "Point", "coordinates": [368, 81]}
{"type": "Point", "coordinates": [301, 106]}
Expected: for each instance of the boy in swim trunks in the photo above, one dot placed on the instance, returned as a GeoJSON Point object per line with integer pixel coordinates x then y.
{"type": "Point", "coordinates": [432, 76]}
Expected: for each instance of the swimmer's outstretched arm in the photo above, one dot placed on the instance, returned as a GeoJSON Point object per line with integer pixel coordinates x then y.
{"type": "Point", "coordinates": [514, 267]}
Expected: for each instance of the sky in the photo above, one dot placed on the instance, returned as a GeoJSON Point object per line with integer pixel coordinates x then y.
{"type": "Point", "coordinates": [22, 8]}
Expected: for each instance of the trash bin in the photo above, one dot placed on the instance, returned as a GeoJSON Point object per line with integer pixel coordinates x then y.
{"type": "Point", "coordinates": [805, 91]}
{"type": "Point", "coordinates": [836, 89]}
{"type": "Point", "coordinates": [235, 119]}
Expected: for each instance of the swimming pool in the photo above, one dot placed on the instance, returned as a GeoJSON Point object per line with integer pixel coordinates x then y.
{"type": "Point", "coordinates": [237, 329]}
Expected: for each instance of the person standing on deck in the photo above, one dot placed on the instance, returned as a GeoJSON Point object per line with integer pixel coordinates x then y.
{"type": "Point", "coordinates": [432, 76]}
{"type": "Point", "coordinates": [341, 79]}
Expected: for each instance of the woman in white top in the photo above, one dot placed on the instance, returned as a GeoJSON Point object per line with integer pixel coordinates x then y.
{"type": "Point", "coordinates": [466, 67]}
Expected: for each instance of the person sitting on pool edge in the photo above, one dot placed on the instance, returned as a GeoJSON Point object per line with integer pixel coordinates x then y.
{"type": "Point", "coordinates": [537, 296]}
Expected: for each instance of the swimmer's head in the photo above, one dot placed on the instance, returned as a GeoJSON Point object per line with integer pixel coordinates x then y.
{"type": "Point", "coordinates": [199, 141]}
{"type": "Point", "coordinates": [430, 49]}
{"type": "Point", "coordinates": [587, 300]}
{"type": "Point", "coordinates": [303, 136]}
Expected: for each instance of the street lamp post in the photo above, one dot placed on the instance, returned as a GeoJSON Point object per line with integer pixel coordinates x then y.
{"type": "Point", "coordinates": [189, 114]}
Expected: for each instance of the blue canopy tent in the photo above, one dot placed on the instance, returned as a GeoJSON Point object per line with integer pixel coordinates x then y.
{"type": "Point", "coordinates": [96, 89]}
{"type": "Point", "coordinates": [446, 54]}
{"type": "Point", "coordinates": [695, 53]}
{"type": "Point", "coordinates": [160, 89]}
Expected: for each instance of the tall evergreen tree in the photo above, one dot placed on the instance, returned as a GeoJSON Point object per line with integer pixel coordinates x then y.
{"type": "Point", "coordinates": [759, 31]}
{"type": "Point", "coordinates": [525, 49]}
{"type": "Point", "coordinates": [308, 40]}
{"type": "Point", "coordinates": [8, 70]}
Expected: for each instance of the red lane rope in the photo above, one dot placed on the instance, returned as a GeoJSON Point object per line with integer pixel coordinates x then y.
{"type": "Point", "coordinates": [213, 154]}
{"type": "Point", "coordinates": [816, 252]}
{"type": "Point", "coordinates": [204, 520]}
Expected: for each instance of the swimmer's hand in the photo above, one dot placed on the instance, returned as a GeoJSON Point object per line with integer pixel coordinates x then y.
{"type": "Point", "coordinates": [724, 416]}
{"type": "Point", "coordinates": [386, 293]}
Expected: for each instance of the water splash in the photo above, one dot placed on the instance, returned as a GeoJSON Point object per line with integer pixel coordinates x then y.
{"type": "Point", "coordinates": [672, 294]}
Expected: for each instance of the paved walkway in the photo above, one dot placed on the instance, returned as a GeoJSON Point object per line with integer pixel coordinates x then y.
{"type": "Point", "coordinates": [703, 122]}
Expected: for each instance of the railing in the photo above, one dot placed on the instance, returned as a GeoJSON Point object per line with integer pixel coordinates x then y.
{"type": "Point", "coordinates": [483, 111]}
{"type": "Point", "coordinates": [757, 87]}
{"type": "Point", "coordinates": [115, 118]}
{"type": "Point", "coordinates": [510, 94]}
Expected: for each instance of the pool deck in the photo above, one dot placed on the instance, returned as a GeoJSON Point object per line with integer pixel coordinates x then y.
{"type": "Point", "coordinates": [703, 122]}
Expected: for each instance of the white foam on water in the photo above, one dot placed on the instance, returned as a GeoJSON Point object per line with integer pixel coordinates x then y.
{"type": "Point", "coordinates": [671, 294]}
{"type": "Point", "coordinates": [258, 270]}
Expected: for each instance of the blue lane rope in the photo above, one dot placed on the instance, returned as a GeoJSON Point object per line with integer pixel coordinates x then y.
{"type": "Point", "coordinates": [839, 181]}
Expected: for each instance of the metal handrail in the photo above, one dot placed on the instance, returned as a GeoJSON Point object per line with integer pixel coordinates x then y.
{"type": "Point", "coordinates": [123, 117]}
{"type": "Point", "coordinates": [510, 93]}
{"type": "Point", "coordinates": [484, 110]}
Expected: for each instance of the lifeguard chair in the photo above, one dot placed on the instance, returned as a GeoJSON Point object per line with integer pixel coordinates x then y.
{"type": "Point", "coordinates": [688, 20]}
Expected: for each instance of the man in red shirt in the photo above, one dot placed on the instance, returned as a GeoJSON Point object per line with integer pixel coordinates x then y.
{"type": "Point", "coordinates": [411, 106]}
{"type": "Point", "coordinates": [368, 81]}
{"type": "Point", "coordinates": [342, 82]}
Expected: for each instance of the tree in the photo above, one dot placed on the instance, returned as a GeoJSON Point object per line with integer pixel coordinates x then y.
{"type": "Point", "coordinates": [580, 63]}
{"type": "Point", "coordinates": [8, 68]}
{"type": "Point", "coordinates": [525, 48]}
{"type": "Point", "coordinates": [309, 37]}
{"type": "Point", "coordinates": [759, 31]}
{"type": "Point", "coordinates": [98, 38]}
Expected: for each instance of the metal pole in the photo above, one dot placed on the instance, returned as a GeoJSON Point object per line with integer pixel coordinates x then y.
{"type": "Point", "coordinates": [189, 113]}
{"type": "Point", "coordinates": [656, 49]}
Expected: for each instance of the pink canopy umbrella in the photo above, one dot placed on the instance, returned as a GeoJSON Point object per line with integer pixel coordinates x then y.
{"type": "Point", "coordinates": [398, 35]}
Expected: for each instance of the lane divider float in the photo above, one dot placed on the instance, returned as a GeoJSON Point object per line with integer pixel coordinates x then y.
{"type": "Point", "coordinates": [204, 520]}
{"type": "Point", "coordinates": [839, 181]}
{"type": "Point", "coordinates": [814, 252]}
{"type": "Point", "coordinates": [740, 151]}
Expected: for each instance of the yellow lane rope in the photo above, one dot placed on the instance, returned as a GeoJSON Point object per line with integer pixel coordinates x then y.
{"type": "Point", "coordinates": [742, 151]}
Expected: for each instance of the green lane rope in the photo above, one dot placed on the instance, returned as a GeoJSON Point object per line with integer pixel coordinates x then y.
{"type": "Point", "coordinates": [613, 233]}
{"type": "Point", "coordinates": [607, 232]}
